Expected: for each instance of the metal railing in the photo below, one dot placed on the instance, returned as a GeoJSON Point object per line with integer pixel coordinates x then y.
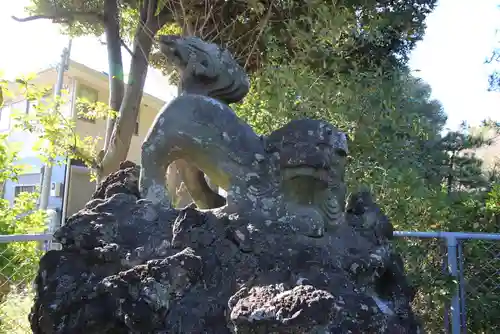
{"type": "Point", "coordinates": [457, 276]}
{"type": "Point", "coordinates": [460, 289]}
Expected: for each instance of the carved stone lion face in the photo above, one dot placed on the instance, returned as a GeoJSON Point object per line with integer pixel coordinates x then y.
{"type": "Point", "coordinates": [311, 156]}
{"type": "Point", "coordinates": [205, 68]}
{"type": "Point", "coordinates": [310, 148]}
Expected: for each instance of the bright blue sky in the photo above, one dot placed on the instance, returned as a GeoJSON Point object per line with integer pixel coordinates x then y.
{"type": "Point", "coordinates": [460, 35]}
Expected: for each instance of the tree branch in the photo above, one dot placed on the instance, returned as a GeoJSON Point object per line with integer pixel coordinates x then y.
{"type": "Point", "coordinates": [126, 47]}
{"type": "Point", "coordinates": [33, 18]}
{"type": "Point", "coordinates": [63, 17]}
{"type": "Point", "coordinates": [122, 42]}
{"type": "Point", "coordinates": [262, 24]}
{"type": "Point", "coordinates": [188, 26]}
{"type": "Point", "coordinates": [151, 10]}
{"type": "Point", "coordinates": [166, 14]}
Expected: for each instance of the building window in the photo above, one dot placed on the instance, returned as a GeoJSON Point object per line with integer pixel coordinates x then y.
{"type": "Point", "coordinates": [85, 96]}
{"type": "Point", "coordinates": [24, 189]}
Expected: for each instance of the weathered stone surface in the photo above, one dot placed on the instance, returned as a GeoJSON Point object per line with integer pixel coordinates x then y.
{"type": "Point", "coordinates": [130, 266]}
{"type": "Point", "coordinates": [124, 181]}
{"type": "Point", "coordinates": [285, 254]}
{"type": "Point", "coordinates": [294, 176]}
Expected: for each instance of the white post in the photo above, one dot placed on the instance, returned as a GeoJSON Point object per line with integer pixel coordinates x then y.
{"type": "Point", "coordinates": [67, 174]}
{"type": "Point", "coordinates": [47, 175]}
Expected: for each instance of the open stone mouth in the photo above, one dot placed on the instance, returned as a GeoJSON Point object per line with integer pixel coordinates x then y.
{"type": "Point", "coordinates": [318, 174]}
{"type": "Point", "coordinates": [305, 186]}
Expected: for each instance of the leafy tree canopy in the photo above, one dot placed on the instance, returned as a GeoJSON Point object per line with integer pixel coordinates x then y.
{"type": "Point", "coordinates": [342, 61]}
{"type": "Point", "coordinates": [347, 32]}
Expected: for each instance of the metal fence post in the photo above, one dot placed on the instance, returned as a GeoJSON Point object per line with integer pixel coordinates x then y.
{"type": "Point", "coordinates": [445, 270]}
{"type": "Point", "coordinates": [461, 282]}
{"type": "Point", "coordinates": [451, 243]}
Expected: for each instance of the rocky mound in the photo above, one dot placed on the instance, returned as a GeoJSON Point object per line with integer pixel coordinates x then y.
{"type": "Point", "coordinates": [130, 266]}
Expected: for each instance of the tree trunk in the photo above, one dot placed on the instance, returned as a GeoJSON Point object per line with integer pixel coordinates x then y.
{"type": "Point", "coordinates": [449, 179]}
{"type": "Point", "coordinates": [115, 63]}
{"type": "Point", "coordinates": [119, 142]}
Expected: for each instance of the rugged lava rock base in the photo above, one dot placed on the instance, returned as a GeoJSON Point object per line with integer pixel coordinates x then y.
{"type": "Point", "coordinates": [128, 266]}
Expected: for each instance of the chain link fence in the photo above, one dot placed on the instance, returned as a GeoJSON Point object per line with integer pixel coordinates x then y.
{"type": "Point", "coordinates": [19, 257]}
{"type": "Point", "coordinates": [457, 277]}
{"type": "Point", "coordinates": [457, 282]}
{"type": "Point", "coordinates": [480, 285]}
{"type": "Point", "coordinates": [423, 259]}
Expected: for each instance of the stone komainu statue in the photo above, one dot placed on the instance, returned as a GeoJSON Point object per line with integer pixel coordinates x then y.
{"type": "Point", "coordinates": [283, 253]}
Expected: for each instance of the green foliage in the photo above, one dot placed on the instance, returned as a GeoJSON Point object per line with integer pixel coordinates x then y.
{"type": "Point", "coordinates": [352, 34]}
{"type": "Point", "coordinates": [56, 137]}
{"type": "Point", "coordinates": [422, 179]}
{"type": "Point", "coordinates": [94, 110]}
{"type": "Point", "coordinates": [15, 309]}
{"type": "Point", "coordinates": [54, 130]}
{"type": "Point", "coordinates": [8, 170]}
{"type": "Point", "coordinates": [493, 199]}
{"type": "Point", "coordinates": [22, 217]}
{"type": "Point", "coordinates": [345, 62]}
{"type": "Point", "coordinates": [17, 260]}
